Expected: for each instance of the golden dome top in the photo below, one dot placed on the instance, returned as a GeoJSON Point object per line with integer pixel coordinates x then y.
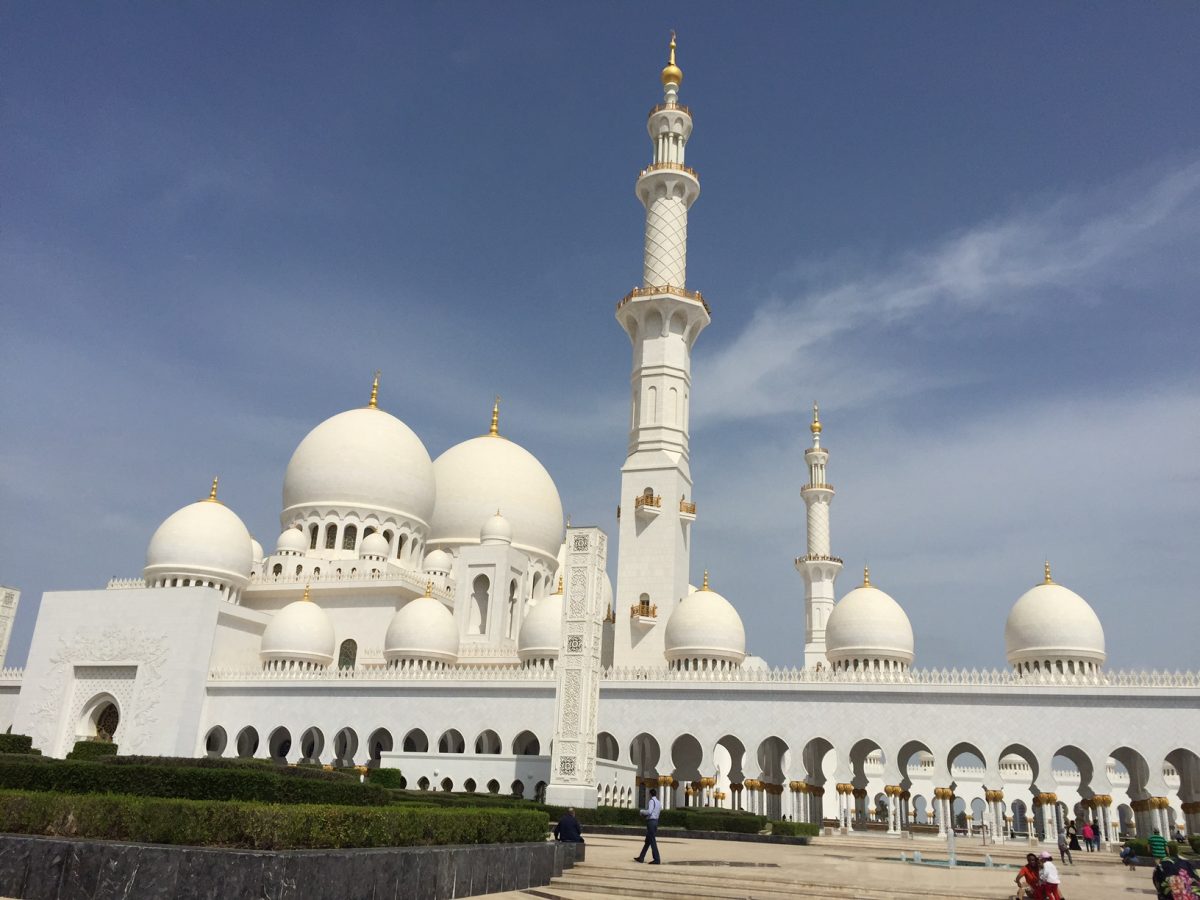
{"type": "Point", "coordinates": [374, 401]}
{"type": "Point", "coordinates": [672, 74]}
{"type": "Point", "coordinates": [212, 493]}
{"type": "Point", "coordinates": [815, 428]}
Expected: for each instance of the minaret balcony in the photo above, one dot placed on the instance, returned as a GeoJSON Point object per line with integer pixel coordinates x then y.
{"type": "Point", "coordinates": [818, 558]}
{"type": "Point", "coordinates": [647, 506]}
{"type": "Point", "coordinates": [670, 167]}
{"type": "Point", "coordinates": [823, 486]}
{"type": "Point", "coordinates": [643, 614]}
{"type": "Point", "coordinates": [687, 511]}
{"type": "Point", "coordinates": [668, 179]}
{"type": "Point", "coordinates": [668, 289]}
{"type": "Point", "coordinates": [664, 107]}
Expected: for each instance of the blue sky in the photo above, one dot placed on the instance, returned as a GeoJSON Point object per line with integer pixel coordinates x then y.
{"type": "Point", "coordinates": [970, 230]}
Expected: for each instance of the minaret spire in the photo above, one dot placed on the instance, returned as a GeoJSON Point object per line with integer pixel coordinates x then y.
{"type": "Point", "coordinates": [818, 566]}
{"type": "Point", "coordinates": [663, 320]}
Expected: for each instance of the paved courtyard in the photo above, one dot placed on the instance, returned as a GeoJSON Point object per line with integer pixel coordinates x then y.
{"type": "Point", "coordinates": [858, 867]}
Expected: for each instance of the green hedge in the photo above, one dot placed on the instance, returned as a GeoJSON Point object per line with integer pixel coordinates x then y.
{"type": "Point", "coordinates": [189, 782]}
{"type": "Point", "coordinates": [17, 743]}
{"type": "Point", "coordinates": [712, 820]}
{"type": "Point", "coordinates": [260, 826]}
{"type": "Point", "coordinates": [240, 763]}
{"type": "Point", "coordinates": [92, 750]}
{"type": "Point", "coordinates": [1194, 841]}
{"type": "Point", "coordinates": [385, 777]}
{"type": "Point", "coordinates": [1141, 847]}
{"type": "Point", "coordinates": [796, 829]}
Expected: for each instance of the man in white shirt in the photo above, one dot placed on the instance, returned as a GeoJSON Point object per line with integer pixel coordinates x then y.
{"type": "Point", "coordinates": [652, 811]}
{"type": "Point", "coordinates": [1048, 878]}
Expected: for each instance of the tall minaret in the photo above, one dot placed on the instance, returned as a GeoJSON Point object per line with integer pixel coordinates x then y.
{"type": "Point", "coordinates": [662, 319]}
{"type": "Point", "coordinates": [819, 568]}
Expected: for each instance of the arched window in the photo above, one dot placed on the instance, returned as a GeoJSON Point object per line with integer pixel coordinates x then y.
{"type": "Point", "coordinates": [479, 605]}
{"type": "Point", "coordinates": [368, 531]}
{"type": "Point", "coordinates": [400, 546]}
{"type": "Point", "coordinates": [350, 537]}
{"type": "Point", "coordinates": [526, 744]}
{"type": "Point", "coordinates": [277, 569]}
{"type": "Point", "coordinates": [415, 742]}
{"type": "Point", "coordinates": [313, 531]}
{"type": "Point", "coordinates": [330, 537]}
{"type": "Point", "coordinates": [214, 743]}
{"type": "Point", "coordinates": [299, 570]}
{"type": "Point", "coordinates": [387, 536]}
{"type": "Point", "coordinates": [348, 654]}
{"type": "Point", "coordinates": [512, 609]}
{"type": "Point", "coordinates": [247, 742]}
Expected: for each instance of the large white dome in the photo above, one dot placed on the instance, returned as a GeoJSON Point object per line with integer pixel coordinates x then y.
{"type": "Point", "coordinates": [365, 459]}
{"type": "Point", "coordinates": [1050, 623]}
{"type": "Point", "coordinates": [300, 632]}
{"type": "Point", "coordinates": [204, 540]}
{"type": "Point", "coordinates": [422, 629]}
{"type": "Point", "coordinates": [705, 626]}
{"type": "Point", "coordinates": [541, 632]}
{"type": "Point", "coordinates": [868, 625]}
{"type": "Point", "coordinates": [489, 473]}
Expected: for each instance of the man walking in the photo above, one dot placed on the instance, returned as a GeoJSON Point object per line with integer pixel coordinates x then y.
{"type": "Point", "coordinates": [1158, 845]}
{"type": "Point", "coordinates": [652, 811]}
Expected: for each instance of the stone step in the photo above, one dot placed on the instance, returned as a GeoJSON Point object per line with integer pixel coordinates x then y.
{"type": "Point", "coordinates": [733, 884]}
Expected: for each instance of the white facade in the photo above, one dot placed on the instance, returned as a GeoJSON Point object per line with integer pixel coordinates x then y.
{"type": "Point", "coordinates": [412, 612]}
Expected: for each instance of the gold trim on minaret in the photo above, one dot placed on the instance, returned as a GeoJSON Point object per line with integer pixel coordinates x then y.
{"type": "Point", "coordinates": [374, 402]}
{"type": "Point", "coordinates": [212, 493]}
{"type": "Point", "coordinates": [1048, 580]}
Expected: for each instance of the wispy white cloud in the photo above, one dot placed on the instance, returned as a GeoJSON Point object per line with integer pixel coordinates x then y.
{"type": "Point", "coordinates": [1071, 248]}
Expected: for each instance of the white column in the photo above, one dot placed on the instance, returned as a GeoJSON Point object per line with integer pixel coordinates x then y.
{"type": "Point", "coordinates": [939, 804]}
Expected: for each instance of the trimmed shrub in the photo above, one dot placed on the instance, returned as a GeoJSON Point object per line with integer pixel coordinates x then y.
{"type": "Point", "coordinates": [92, 750]}
{"type": "Point", "coordinates": [17, 743]}
{"type": "Point", "coordinates": [712, 820]}
{"type": "Point", "coordinates": [260, 826]}
{"type": "Point", "coordinates": [1194, 840]}
{"type": "Point", "coordinates": [1141, 847]}
{"type": "Point", "coordinates": [796, 829]}
{"type": "Point", "coordinates": [386, 778]}
{"type": "Point", "coordinates": [268, 785]}
{"type": "Point", "coordinates": [207, 762]}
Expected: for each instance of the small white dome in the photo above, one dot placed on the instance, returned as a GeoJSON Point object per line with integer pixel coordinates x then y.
{"type": "Point", "coordinates": [478, 477]}
{"type": "Point", "coordinates": [1050, 623]}
{"type": "Point", "coordinates": [867, 624]}
{"type": "Point", "coordinates": [496, 530]}
{"type": "Point", "coordinates": [374, 544]}
{"type": "Point", "coordinates": [363, 458]}
{"type": "Point", "coordinates": [256, 550]}
{"type": "Point", "coordinates": [422, 629]}
{"type": "Point", "coordinates": [292, 540]}
{"type": "Point", "coordinates": [541, 632]}
{"type": "Point", "coordinates": [300, 632]}
{"type": "Point", "coordinates": [439, 562]}
{"type": "Point", "coordinates": [705, 626]}
{"type": "Point", "coordinates": [204, 540]}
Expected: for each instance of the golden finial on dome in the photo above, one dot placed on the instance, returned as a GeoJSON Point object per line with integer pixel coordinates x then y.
{"type": "Point", "coordinates": [560, 587]}
{"type": "Point", "coordinates": [704, 587]}
{"type": "Point", "coordinates": [212, 492]}
{"type": "Point", "coordinates": [494, 429]}
{"type": "Point", "coordinates": [306, 590]}
{"type": "Point", "coordinates": [815, 428]}
{"type": "Point", "coordinates": [672, 74]}
{"type": "Point", "coordinates": [374, 402]}
{"type": "Point", "coordinates": [429, 589]}
{"type": "Point", "coordinates": [1048, 580]}
{"type": "Point", "coordinates": [866, 576]}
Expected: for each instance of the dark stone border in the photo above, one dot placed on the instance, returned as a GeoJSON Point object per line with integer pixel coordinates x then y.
{"type": "Point", "coordinates": [793, 839]}
{"type": "Point", "coordinates": [44, 868]}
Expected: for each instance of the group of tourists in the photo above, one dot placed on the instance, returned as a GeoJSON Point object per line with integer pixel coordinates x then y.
{"type": "Point", "coordinates": [1040, 877]}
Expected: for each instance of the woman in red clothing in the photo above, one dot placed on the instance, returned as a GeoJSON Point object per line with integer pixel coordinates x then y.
{"type": "Point", "coordinates": [1028, 874]}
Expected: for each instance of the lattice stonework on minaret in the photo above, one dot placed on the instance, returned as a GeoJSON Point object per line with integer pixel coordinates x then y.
{"type": "Point", "coordinates": [666, 243]}
{"type": "Point", "coordinates": [818, 528]}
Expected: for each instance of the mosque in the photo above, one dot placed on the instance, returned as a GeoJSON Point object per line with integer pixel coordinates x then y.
{"type": "Point", "coordinates": [411, 613]}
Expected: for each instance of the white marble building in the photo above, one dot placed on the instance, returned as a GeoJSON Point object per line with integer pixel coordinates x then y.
{"type": "Point", "coordinates": [411, 612]}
